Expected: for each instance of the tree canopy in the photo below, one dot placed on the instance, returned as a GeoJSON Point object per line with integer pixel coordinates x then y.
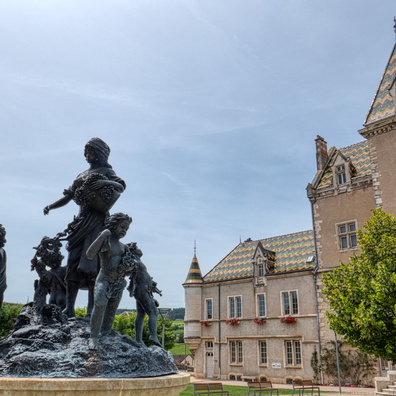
{"type": "Point", "coordinates": [362, 293]}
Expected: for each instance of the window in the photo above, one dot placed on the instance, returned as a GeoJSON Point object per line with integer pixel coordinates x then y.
{"type": "Point", "coordinates": [260, 269]}
{"type": "Point", "coordinates": [290, 303]}
{"type": "Point", "coordinates": [235, 307]}
{"type": "Point", "coordinates": [293, 353]}
{"type": "Point", "coordinates": [347, 235]}
{"type": "Point", "coordinates": [341, 175]}
{"type": "Point", "coordinates": [260, 305]}
{"type": "Point", "coordinates": [209, 308]}
{"type": "Point", "coordinates": [236, 352]}
{"type": "Point", "coordinates": [209, 344]}
{"type": "Point", "coordinates": [263, 352]}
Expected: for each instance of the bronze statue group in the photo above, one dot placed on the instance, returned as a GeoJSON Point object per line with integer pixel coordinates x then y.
{"type": "Point", "coordinates": [97, 260]}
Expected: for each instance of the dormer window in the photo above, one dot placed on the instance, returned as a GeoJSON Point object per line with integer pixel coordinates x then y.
{"type": "Point", "coordinates": [260, 267]}
{"type": "Point", "coordinates": [341, 174]}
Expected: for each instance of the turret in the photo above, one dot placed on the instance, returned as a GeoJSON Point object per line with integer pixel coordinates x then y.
{"type": "Point", "coordinates": [193, 303]}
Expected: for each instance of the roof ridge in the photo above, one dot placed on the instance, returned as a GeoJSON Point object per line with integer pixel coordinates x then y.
{"type": "Point", "coordinates": [285, 235]}
{"type": "Point", "coordinates": [352, 145]}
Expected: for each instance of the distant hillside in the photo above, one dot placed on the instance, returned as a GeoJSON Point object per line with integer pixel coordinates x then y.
{"type": "Point", "coordinates": [175, 313]}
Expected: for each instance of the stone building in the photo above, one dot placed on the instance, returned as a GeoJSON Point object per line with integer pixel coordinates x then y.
{"type": "Point", "coordinates": [254, 314]}
{"type": "Point", "coordinates": [351, 181]}
{"type": "Point", "coordinates": [277, 277]}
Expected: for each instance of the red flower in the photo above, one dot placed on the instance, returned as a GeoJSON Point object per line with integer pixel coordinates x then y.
{"type": "Point", "coordinates": [288, 319]}
{"type": "Point", "coordinates": [233, 321]}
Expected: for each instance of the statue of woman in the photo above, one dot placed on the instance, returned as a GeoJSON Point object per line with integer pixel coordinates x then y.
{"type": "Point", "coordinates": [95, 190]}
{"type": "Point", "coordinates": [3, 261]}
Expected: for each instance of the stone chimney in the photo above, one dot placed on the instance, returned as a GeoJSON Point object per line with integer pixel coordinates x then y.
{"type": "Point", "coordinates": [321, 152]}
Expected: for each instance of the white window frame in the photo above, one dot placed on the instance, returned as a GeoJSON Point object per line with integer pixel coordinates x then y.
{"type": "Point", "coordinates": [260, 270]}
{"type": "Point", "coordinates": [234, 303]}
{"type": "Point", "coordinates": [235, 348]}
{"type": "Point", "coordinates": [340, 171]}
{"type": "Point", "coordinates": [263, 353]}
{"type": "Point", "coordinates": [294, 306]}
{"type": "Point", "coordinates": [207, 301]}
{"type": "Point", "coordinates": [347, 235]}
{"type": "Point", "coordinates": [258, 314]}
{"type": "Point", "coordinates": [292, 353]}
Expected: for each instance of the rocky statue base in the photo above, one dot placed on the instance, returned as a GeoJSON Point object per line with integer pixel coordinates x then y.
{"type": "Point", "coordinates": [59, 349]}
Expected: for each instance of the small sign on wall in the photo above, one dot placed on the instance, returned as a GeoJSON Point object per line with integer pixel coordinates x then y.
{"type": "Point", "coordinates": [276, 365]}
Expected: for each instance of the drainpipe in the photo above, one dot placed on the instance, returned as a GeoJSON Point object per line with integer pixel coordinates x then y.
{"type": "Point", "coordinates": [315, 279]}
{"type": "Point", "coordinates": [219, 334]}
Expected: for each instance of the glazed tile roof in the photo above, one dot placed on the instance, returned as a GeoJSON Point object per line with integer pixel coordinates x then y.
{"type": "Point", "coordinates": [291, 252]}
{"type": "Point", "coordinates": [359, 157]}
{"type": "Point", "coordinates": [194, 274]}
{"type": "Point", "coordinates": [383, 105]}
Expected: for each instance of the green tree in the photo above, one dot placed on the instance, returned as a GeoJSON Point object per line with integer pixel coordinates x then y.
{"type": "Point", "coordinates": [362, 294]}
{"type": "Point", "coordinates": [9, 313]}
{"type": "Point", "coordinates": [125, 324]}
{"type": "Point", "coordinates": [177, 313]}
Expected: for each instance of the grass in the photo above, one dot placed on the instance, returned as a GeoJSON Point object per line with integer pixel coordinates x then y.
{"type": "Point", "coordinates": [236, 390]}
{"type": "Point", "coordinates": [233, 389]}
{"type": "Point", "coordinates": [180, 349]}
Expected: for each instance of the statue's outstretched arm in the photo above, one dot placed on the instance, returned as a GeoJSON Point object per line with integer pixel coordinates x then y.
{"type": "Point", "coordinates": [58, 204]}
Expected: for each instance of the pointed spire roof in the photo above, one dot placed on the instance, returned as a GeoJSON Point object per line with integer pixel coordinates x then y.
{"type": "Point", "coordinates": [384, 103]}
{"type": "Point", "coordinates": [194, 274]}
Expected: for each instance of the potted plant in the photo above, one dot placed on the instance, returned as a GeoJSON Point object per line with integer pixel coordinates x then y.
{"type": "Point", "coordinates": [259, 320]}
{"type": "Point", "coordinates": [233, 321]}
{"type": "Point", "coordinates": [288, 319]}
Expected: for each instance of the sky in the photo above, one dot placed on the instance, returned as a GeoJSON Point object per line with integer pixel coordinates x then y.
{"type": "Point", "coordinates": [210, 108]}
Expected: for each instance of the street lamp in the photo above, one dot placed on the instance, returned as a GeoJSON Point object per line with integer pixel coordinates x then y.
{"type": "Point", "coordinates": [164, 314]}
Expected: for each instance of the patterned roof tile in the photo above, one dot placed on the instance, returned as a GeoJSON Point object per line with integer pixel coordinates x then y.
{"type": "Point", "coordinates": [383, 105]}
{"type": "Point", "coordinates": [291, 252]}
{"type": "Point", "coordinates": [359, 157]}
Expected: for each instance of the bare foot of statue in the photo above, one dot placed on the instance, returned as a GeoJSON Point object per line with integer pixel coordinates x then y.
{"type": "Point", "coordinates": [155, 341]}
{"type": "Point", "coordinates": [93, 344]}
{"type": "Point", "coordinates": [69, 312]}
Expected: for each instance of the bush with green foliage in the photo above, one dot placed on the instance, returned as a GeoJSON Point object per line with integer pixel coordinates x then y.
{"type": "Point", "coordinates": [9, 313]}
{"type": "Point", "coordinates": [362, 294]}
{"type": "Point", "coordinates": [125, 324]}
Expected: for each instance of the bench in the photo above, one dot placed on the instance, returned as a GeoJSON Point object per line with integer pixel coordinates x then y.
{"type": "Point", "coordinates": [259, 387]}
{"type": "Point", "coordinates": [302, 385]}
{"type": "Point", "coordinates": [209, 388]}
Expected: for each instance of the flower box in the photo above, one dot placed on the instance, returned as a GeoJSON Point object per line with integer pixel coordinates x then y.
{"type": "Point", "coordinates": [289, 319]}
{"type": "Point", "coordinates": [233, 321]}
{"type": "Point", "coordinates": [259, 320]}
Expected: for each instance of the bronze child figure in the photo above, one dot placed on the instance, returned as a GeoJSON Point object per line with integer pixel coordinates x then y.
{"type": "Point", "coordinates": [115, 264]}
{"type": "Point", "coordinates": [142, 288]}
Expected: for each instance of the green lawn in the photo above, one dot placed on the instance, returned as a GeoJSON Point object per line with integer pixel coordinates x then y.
{"type": "Point", "coordinates": [237, 390]}
{"type": "Point", "coordinates": [179, 349]}
{"type": "Point", "coordinates": [234, 390]}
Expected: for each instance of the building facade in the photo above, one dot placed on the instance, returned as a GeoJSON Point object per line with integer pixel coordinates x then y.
{"type": "Point", "coordinates": [260, 312]}
{"type": "Point", "coordinates": [352, 181]}
{"type": "Point", "coordinates": [253, 316]}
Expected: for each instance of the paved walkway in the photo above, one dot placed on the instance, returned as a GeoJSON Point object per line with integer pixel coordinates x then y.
{"type": "Point", "coordinates": [345, 391]}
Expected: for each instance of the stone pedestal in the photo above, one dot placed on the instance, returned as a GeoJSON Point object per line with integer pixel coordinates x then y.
{"type": "Point", "coordinates": [168, 385]}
